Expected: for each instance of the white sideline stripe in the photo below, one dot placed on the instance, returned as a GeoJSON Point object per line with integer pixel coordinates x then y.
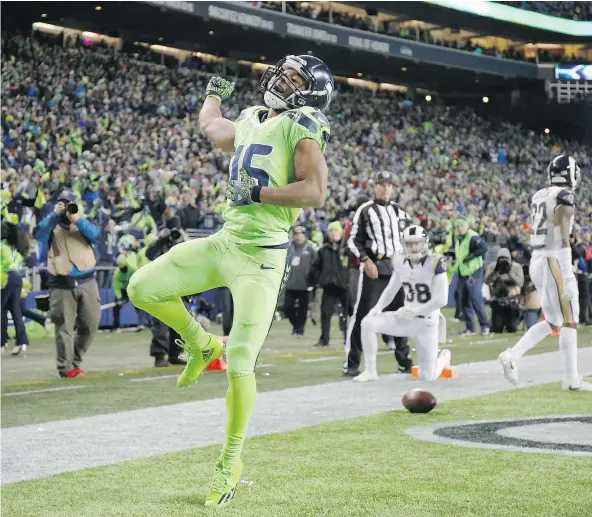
{"type": "Point", "coordinates": [46, 390]}
{"type": "Point", "coordinates": [333, 357]}
{"type": "Point", "coordinates": [37, 451]}
{"type": "Point", "coordinates": [487, 341]}
{"type": "Point", "coordinates": [158, 377]}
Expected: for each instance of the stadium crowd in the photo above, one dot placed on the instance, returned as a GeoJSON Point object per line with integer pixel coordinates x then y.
{"type": "Point", "coordinates": [322, 13]}
{"type": "Point", "coordinates": [122, 134]}
{"type": "Point", "coordinates": [579, 11]}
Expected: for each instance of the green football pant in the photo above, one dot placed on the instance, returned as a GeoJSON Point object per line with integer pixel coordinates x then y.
{"type": "Point", "coordinates": [253, 274]}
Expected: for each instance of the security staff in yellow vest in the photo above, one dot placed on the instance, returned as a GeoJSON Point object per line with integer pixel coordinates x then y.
{"type": "Point", "coordinates": [74, 293]}
{"type": "Point", "coordinates": [12, 248]}
{"type": "Point", "coordinates": [469, 251]}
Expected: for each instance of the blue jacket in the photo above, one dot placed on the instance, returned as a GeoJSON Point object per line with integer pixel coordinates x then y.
{"type": "Point", "coordinates": [478, 247]}
{"type": "Point", "coordinates": [90, 231]}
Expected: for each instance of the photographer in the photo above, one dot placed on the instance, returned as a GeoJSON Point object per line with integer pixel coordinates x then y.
{"type": "Point", "coordinates": [505, 280]}
{"type": "Point", "coordinates": [73, 289]}
{"type": "Point", "coordinates": [163, 338]}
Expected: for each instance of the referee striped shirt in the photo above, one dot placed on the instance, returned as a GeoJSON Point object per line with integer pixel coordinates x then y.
{"type": "Point", "coordinates": [376, 229]}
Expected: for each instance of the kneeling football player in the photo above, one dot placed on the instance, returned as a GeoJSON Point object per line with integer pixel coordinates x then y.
{"type": "Point", "coordinates": [423, 276]}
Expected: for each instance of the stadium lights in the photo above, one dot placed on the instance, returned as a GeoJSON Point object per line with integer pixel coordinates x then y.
{"type": "Point", "coordinates": [485, 100]}
{"type": "Point", "coordinates": [404, 69]}
{"type": "Point", "coordinates": [211, 33]}
{"type": "Point", "coordinates": [161, 39]}
{"type": "Point", "coordinates": [428, 98]}
{"type": "Point", "coordinates": [359, 74]}
{"type": "Point", "coordinates": [98, 8]}
{"type": "Point", "coordinates": [262, 58]}
{"type": "Point", "coordinates": [547, 131]}
{"type": "Point", "coordinates": [44, 15]}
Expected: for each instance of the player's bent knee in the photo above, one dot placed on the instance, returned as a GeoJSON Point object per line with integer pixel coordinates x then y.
{"type": "Point", "coordinates": [240, 361]}
{"type": "Point", "coordinates": [367, 323]}
{"type": "Point", "coordinates": [134, 290]}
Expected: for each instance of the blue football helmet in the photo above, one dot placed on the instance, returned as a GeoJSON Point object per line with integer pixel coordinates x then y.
{"type": "Point", "coordinates": [316, 91]}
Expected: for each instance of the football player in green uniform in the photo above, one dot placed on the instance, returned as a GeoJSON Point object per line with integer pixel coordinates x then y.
{"type": "Point", "coordinates": [277, 169]}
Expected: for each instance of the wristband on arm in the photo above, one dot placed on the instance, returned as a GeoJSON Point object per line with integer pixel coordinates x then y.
{"type": "Point", "coordinates": [256, 194]}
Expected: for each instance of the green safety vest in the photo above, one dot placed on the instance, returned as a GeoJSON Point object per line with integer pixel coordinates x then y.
{"type": "Point", "coordinates": [461, 250]}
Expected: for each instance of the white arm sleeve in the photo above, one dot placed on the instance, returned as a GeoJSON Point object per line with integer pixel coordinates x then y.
{"type": "Point", "coordinates": [439, 296]}
{"type": "Point", "coordinates": [389, 293]}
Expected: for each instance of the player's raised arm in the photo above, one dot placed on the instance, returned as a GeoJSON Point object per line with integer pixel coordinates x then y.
{"type": "Point", "coordinates": [219, 130]}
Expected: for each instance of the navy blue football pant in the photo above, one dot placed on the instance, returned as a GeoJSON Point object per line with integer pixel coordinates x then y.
{"type": "Point", "coordinates": [11, 301]}
{"type": "Point", "coordinates": [32, 315]}
{"type": "Point", "coordinates": [471, 300]}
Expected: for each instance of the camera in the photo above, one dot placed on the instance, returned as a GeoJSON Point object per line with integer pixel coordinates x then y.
{"type": "Point", "coordinates": [438, 237]}
{"type": "Point", "coordinates": [503, 265]}
{"type": "Point", "coordinates": [72, 208]}
{"type": "Point", "coordinates": [175, 235]}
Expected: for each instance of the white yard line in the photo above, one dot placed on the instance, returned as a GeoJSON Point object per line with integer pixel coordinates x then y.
{"type": "Point", "coordinates": [46, 390]}
{"type": "Point", "coordinates": [40, 450]}
{"type": "Point", "coordinates": [155, 378]}
{"type": "Point", "coordinates": [334, 358]}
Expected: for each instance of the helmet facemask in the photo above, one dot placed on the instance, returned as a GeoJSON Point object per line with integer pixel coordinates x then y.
{"type": "Point", "coordinates": [294, 97]}
{"type": "Point", "coordinates": [415, 248]}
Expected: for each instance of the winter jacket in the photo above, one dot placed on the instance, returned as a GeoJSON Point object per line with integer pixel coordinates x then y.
{"type": "Point", "coordinates": [328, 270]}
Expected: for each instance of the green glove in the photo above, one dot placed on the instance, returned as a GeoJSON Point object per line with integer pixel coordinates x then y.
{"type": "Point", "coordinates": [220, 88]}
{"type": "Point", "coordinates": [239, 192]}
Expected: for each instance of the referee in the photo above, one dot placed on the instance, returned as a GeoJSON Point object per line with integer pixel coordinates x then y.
{"type": "Point", "coordinates": [374, 239]}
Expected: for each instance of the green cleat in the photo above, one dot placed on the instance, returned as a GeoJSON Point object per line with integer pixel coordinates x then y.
{"type": "Point", "coordinates": [199, 358]}
{"type": "Point", "coordinates": [224, 485]}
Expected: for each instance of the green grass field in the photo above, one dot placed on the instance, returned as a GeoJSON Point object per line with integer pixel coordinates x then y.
{"type": "Point", "coordinates": [364, 466]}
{"type": "Point", "coordinates": [116, 361]}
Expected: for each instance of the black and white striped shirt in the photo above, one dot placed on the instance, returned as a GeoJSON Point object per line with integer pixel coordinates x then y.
{"type": "Point", "coordinates": [376, 229]}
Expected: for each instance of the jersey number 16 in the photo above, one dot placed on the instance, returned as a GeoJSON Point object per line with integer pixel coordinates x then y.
{"type": "Point", "coordinates": [246, 158]}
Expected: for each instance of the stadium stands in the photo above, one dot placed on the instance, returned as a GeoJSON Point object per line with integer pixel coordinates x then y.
{"type": "Point", "coordinates": [105, 121]}
{"type": "Point", "coordinates": [580, 11]}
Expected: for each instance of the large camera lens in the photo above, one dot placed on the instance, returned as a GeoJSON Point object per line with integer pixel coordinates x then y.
{"type": "Point", "coordinates": [72, 208]}
{"type": "Point", "coordinates": [175, 235]}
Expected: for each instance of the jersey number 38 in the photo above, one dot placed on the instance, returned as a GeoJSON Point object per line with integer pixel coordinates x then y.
{"type": "Point", "coordinates": [421, 293]}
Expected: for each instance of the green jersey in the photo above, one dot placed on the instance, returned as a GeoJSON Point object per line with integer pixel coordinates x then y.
{"type": "Point", "coordinates": [265, 151]}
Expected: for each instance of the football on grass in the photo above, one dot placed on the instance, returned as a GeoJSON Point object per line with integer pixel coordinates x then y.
{"type": "Point", "coordinates": [419, 401]}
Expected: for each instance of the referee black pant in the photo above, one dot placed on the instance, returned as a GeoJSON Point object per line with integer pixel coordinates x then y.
{"type": "Point", "coordinates": [369, 291]}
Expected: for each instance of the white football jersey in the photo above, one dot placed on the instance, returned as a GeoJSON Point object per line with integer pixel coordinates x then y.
{"type": "Point", "coordinates": [417, 279]}
{"type": "Point", "coordinates": [545, 236]}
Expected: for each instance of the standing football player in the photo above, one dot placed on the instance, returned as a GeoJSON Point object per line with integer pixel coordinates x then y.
{"type": "Point", "coordinates": [423, 276]}
{"type": "Point", "coordinates": [552, 273]}
{"type": "Point", "coordinates": [278, 168]}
